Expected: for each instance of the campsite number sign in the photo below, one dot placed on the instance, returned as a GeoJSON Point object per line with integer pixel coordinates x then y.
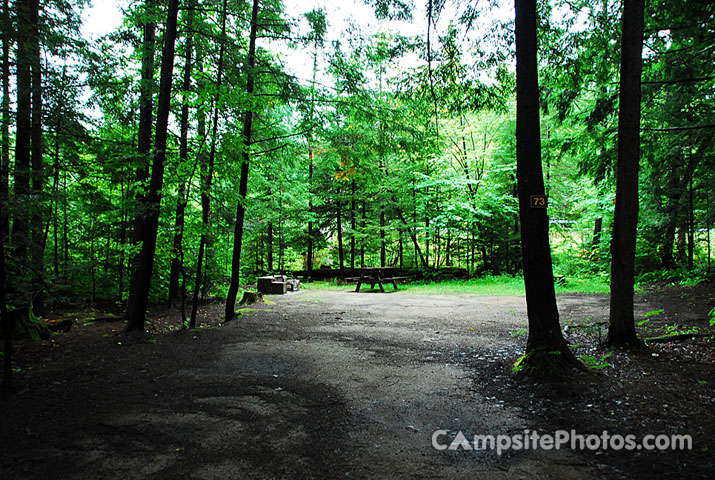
{"type": "Point", "coordinates": [539, 201]}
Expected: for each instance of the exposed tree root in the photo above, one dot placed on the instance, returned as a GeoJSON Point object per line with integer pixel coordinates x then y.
{"type": "Point", "coordinates": [549, 365]}
{"type": "Point", "coordinates": [630, 342]}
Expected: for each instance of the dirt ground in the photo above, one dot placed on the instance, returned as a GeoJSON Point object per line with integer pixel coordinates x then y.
{"type": "Point", "coordinates": [336, 384]}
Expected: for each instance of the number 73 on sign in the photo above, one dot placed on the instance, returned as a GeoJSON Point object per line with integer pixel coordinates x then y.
{"type": "Point", "coordinates": [538, 201]}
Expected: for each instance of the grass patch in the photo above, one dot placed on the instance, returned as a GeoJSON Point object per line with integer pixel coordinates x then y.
{"type": "Point", "coordinates": [584, 285]}
{"type": "Point", "coordinates": [498, 285]}
{"type": "Point", "coordinates": [318, 285]}
{"type": "Point", "coordinates": [484, 286]}
{"type": "Point", "coordinates": [501, 285]}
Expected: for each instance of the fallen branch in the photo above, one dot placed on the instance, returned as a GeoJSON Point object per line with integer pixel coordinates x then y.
{"type": "Point", "coordinates": [677, 337]}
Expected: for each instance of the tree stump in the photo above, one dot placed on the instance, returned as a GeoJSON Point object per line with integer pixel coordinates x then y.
{"type": "Point", "coordinates": [251, 297]}
{"type": "Point", "coordinates": [24, 323]}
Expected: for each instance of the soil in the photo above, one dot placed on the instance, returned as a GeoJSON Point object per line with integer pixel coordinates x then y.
{"type": "Point", "coordinates": [336, 384]}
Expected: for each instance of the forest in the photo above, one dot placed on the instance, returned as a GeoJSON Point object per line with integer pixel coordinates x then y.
{"type": "Point", "coordinates": [179, 156]}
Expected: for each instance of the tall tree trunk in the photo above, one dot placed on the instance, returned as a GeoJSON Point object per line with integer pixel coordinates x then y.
{"type": "Point", "coordinates": [230, 312]}
{"type": "Point", "coordinates": [146, 103]}
{"type": "Point", "coordinates": [122, 242]}
{"type": "Point", "coordinates": [621, 331]}
{"type": "Point", "coordinates": [691, 212]}
{"type": "Point", "coordinates": [382, 239]}
{"type": "Point", "coordinates": [269, 246]}
{"type": "Point", "coordinates": [181, 200]}
{"type": "Point", "coordinates": [6, 119]}
{"type": "Point", "coordinates": [36, 152]}
{"type": "Point", "coordinates": [207, 176]}
{"type": "Point", "coordinates": [597, 228]}
{"type": "Point", "coordinates": [280, 227]}
{"type": "Point", "coordinates": [341, 251]}
{"type": "Point", "coordinates": [353, 228]}
{"type": "Point", "coordinates": [364, 228]}
{"type": "Point", "coordinates": [672, 194]}
{"type": "Point", "coordinates": [427, 237]}
{"type": "Point", "coordinates": [309, 260]}
{"type": "Point", "coordinates": [149, 223]}
{"type": "Point", "coordinates": [4, 193]}
{"type": "Point", "coordinates": [54, 210]}
{"type": "Point", "coordinates": [23, 133]}
{"type": "Point", "coordinates": [7, 324]}
{"type": "Point", "coordinates": [414, 219]}
{"type": "Point", "coordinates": [545, 336]}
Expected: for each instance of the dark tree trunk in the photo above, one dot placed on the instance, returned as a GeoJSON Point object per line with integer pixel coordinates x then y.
{"type": "Point", "coordinates": [621, 331]}
{"type": "Point", "coordinates": [364, 228]}
{"type": "Point", "coordinates": [413, 236]}
{"type": "Point", "coordinates": [149, 223]}
{"type": "Point", "coordinates": [181, 200]}
{"type": "Point", "coordinates": [4, 193]}
{"type": "Point", "coordinates": [23, 132]}
{"type": "Point", "coordinates": [122, 242]}
{"type": "Point", "coordinates": [7, 327]}
{"type": "Point", "coordinates": [36, 152]}
{"type": "Point", "coordinates": [230, 312]}
{"type": "Point", "coordinates": [6, 119]}
{"type": "Point", "coordinates": [146, 92]}
{"type": "Point", "coordinates": [691, 213]}
{"type": "Point", "coordinates": [56, 184]}
{"type": "Point", "coordinates": [207, 176]}
{"type": "Point", "coordinates": [597, 228]}
{"type": "Point", "coordinates": [280, 227]}
{"type": "Point", "coordinates": [309, 260]}
{"type": "Point", "coordinates": [352, 227]}
{"type": "Point", "coordinates": [382, 239]}
{"type": "Point", "coordinates": [427, 237]}
{"type": "Point", "coordinates": [341, 251]}
{"type": "Point", "coordinates": [414, 219]}
{"type": "Point", "coordinates": [545, 336]}
{"type": "Point", "coordinates": [269, 246]}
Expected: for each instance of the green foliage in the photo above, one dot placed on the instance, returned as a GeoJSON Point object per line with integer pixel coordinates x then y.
{"type": "Point", "coordinates": [518, 333]}
{"type": "Point", "coordinates": [417, 163]}
{"type": "Point", "coordinates": [595, 363]}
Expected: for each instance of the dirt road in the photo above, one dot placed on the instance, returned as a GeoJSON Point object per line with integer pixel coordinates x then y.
{"type": "Point", "coordinates": [319, 384]}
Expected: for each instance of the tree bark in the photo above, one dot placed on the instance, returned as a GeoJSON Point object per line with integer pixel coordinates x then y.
{"type": "Point", "coordinates": [545, 336]}
{"type": "Point", "coordinates": [382, 238]}
{"type": "Point", "coordinates": [36, 153]}
{"type": "Point", "coordinates": [181, 200]}
{"type": "Point", "coordinates": [230, 312]}
{"type": "Point", "coordinates": [309, 260]}
{"type": "Point", "coordinates": [20, 225]}
{"type": "Point", "coordinates": [7, 327]}
{"type": "Point", "coordinates": [691, 212]}
{"type": "Point", "coordinates": [621, 331]}
{"type": "Point", "coordinates": [6, 119]}
{"type": "Point", "coordinates": [339, 221]}
{"type": "Point", "coordinates": [4, 192]}
{"type": "Point", "coordinates": [207, 177]}
{"type": "Point", "coordinates": [353, 228]}
{"type": "Point", "coordinates": [146, 102]}
{"type": "Point", "coordinates": [364, 228]}
{"type": "Point", "coordinates": [149, 223]}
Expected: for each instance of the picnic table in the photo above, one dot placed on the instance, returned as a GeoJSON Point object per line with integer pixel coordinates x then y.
{"type": "Point", "coordinates": [377, 276]}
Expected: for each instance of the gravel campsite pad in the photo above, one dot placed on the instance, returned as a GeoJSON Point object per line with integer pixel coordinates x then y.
{"type": "Point", "coordinates": [337, 384]}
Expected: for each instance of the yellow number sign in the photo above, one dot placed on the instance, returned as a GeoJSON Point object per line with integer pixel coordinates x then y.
{"type": "Point", "coordinates": [539, 201]}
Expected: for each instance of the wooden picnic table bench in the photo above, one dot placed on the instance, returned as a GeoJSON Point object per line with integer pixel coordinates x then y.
{"type": "Point", "coordinates": [377, 276]}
